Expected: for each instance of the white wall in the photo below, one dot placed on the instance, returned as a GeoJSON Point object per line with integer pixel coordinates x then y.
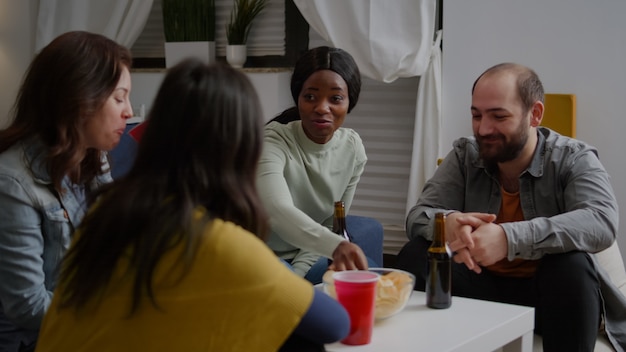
{"type": "Point", "coordinates": [17, 42]}
{"type": "Point", "coordinates": [576, 46]}
{"type": "Point", "coordinates": [272, 87]}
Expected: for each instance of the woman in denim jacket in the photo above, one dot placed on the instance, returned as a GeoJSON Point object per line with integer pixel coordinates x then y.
{"type": "Point", "coordinates": [71, 109]}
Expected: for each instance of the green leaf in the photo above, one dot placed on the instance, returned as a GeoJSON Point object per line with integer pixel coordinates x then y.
{"type": "Point", "coordinates": [188, 20]}
{"type": "Point", "coordinates": [241, 17]}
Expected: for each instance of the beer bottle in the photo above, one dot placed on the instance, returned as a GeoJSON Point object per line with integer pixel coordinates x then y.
{"type": "Point", "coordinates": [339, 221]}
{"type": "Point", "coordinates": [438, 284]}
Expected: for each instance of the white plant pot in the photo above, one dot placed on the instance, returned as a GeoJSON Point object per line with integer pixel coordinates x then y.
{"type": "Point", "coordinates": [177, 51]}
{"type": "Point", "coordinates": [236, 55]}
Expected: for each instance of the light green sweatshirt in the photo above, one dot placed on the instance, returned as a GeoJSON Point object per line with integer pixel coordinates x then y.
{"type": "Point", "coordinates": [299, 181]}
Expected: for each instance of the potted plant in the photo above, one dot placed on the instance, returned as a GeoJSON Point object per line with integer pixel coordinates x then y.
{"type": "Point", "coordinates": [237, 30]}
{"type": "Point", "coordinates": [189, 28]}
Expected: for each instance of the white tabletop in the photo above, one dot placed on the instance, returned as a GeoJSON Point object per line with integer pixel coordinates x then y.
{"type": "Point", "coordinates": [468, 325]}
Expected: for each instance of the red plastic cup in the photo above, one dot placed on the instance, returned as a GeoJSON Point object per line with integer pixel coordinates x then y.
{"type": "Point", "coordinates": [356, 291]}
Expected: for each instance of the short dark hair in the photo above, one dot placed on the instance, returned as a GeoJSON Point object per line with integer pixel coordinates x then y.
{"type": "Point", "coordinates": [327, 58]}
{"type": "Point", "coordinates": [67, 83]}
{"type": "Point", "coordinates": [529, 86]}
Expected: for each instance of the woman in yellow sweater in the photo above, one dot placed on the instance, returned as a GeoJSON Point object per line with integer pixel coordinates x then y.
{"type": "Point", "coordinates": [166, 260]}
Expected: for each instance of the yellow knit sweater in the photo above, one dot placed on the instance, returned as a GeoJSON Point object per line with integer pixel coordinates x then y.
{"type": "Point", "coordinates": [237, 297]}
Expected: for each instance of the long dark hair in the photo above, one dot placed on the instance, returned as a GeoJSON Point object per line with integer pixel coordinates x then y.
{"type": "Point", "coordinates": [322, 58]}
{"type": "Point", "coordinates": [66, 84]}
{"type": "Point", "coordinates": [200, 149]}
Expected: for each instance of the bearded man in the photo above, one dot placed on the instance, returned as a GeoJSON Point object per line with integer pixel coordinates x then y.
{"type": "Point", "coordinates": [526, 208]}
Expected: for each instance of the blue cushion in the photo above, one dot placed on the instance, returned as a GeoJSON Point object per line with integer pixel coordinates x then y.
{"type": "Point", "coordinates": [123, 155]}
{"type": "Point", "coordinates": [368, 234]}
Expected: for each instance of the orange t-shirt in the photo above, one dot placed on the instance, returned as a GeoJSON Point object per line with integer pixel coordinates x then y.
{"type": "Point", "coordinates": [511, 210]}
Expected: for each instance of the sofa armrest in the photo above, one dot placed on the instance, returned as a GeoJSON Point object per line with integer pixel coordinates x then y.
{"type": "Point", "coordinates": [611, 261]}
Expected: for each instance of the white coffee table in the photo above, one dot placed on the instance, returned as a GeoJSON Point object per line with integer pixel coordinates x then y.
{"type": "Point", "coordinates": [468, 325]}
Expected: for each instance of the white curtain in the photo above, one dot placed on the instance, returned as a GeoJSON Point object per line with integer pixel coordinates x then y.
{"type": "Point", "coordinates": [388, 40]}
{"type": "Point", "coordinates": [427, 130]}
{"type": "Point", "coordinates": [120, 20]}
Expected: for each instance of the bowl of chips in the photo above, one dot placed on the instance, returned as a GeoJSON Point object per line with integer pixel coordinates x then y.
{"type": "Point", "coordinates": [393, 290]}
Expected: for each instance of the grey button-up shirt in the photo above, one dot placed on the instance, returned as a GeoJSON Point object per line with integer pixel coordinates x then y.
{"type": "Point", "coordinates": [566, 197]}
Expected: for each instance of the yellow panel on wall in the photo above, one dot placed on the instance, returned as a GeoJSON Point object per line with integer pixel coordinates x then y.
{"type": "Point", "coordinates": [560, 113]}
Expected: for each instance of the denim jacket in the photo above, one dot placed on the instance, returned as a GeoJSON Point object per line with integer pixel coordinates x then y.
{"type": "Point", "coordinates": [36, 224]}
{"type": "Point", "coordinates": [566, 197]}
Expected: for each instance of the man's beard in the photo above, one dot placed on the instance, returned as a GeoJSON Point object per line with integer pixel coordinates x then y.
{"type": "Point", "coordinates": [505, 151]}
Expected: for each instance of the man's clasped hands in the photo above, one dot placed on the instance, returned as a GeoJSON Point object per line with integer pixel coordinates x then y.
{"type": "Point", "coordinates": [475, 239]}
